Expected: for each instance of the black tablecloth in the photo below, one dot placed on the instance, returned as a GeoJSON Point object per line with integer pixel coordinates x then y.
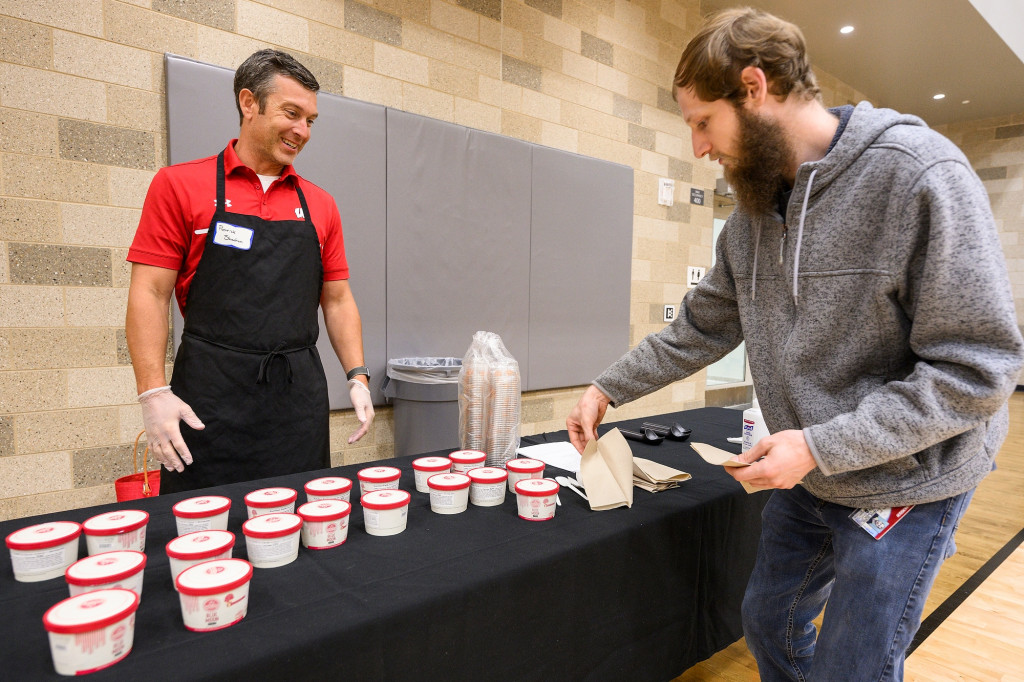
{"type": "Point", "coordinates": [625, 594]}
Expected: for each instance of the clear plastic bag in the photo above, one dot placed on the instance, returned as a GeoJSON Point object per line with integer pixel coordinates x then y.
{"type": "Point", "coordinates": [489, 399]}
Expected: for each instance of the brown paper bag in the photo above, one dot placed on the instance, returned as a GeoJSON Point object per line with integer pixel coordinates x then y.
{"type": "Point", "coordinates": [713, 455]}
{"type": "Point", "coordinates": [606, 471]}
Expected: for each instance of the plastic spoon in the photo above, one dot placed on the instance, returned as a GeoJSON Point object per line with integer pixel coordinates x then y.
{"type": "Point", "coordinates": [648, 436]}
{"type": "Point", "coordinates": [563, 481]}
{"type": "Point", "coordinates": [676, 432]}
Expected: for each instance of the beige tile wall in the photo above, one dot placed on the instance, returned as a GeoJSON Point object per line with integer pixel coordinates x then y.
{"type": "Point", "coordinates": [82, 131]}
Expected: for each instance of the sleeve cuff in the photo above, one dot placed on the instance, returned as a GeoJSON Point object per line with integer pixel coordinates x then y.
{"type": "Point", "coordinates": [814, 453]}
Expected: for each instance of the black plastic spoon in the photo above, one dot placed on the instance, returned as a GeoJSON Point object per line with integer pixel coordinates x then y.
{"type": "Point", "coordinates": [676, 432]}
{"type": "Point", "coordinates": [648, 436]}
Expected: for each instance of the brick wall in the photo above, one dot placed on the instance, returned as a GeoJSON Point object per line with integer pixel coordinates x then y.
{"type": "Point", "coordinates": [83, 129]}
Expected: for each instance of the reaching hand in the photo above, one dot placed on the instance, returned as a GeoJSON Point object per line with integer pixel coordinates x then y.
{"type": "Point", "coordinates": [161, 412]}
{"type": "Point", "coordinates": [362, 401]}
{"type": "Point", "coordinates": [583, 420]}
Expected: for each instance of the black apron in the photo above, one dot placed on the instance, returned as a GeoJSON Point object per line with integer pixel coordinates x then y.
{"type": "Point", "coordinates": [248, 364]}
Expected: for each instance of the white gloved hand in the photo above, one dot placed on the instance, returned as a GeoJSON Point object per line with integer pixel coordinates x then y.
{"type": "Point", "coordinates": [362, 401]}
{"type": "Point", "coordinates": [161, 412]}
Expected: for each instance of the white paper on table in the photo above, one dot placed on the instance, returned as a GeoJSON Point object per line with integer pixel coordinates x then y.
{"type": "Point", "coordinates": [562, 455]}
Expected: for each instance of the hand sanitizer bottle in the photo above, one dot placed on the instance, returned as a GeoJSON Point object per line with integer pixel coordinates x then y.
{"type": "Point", "coordinates": [753, 426]}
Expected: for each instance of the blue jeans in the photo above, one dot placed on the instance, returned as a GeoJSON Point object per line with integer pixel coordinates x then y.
{"type": "Point", "coordinates": [812, 552]}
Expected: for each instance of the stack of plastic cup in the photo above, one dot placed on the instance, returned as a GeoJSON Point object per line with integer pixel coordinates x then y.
{"type": "Point", "coordinates": [503, 424]}
{"type": "Point", "coordinates": [474, 404]}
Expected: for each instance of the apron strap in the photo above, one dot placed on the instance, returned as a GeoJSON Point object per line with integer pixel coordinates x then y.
{"type": "Point", "coordinates": [220, 182]}
{"type": "Point", "coordinates": [220, 190]}
{"type": "Point", "coordinates": [263, 375]}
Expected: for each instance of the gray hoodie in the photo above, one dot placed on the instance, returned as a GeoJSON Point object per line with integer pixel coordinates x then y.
{"type": "Point", "coordinates": [878, 318]}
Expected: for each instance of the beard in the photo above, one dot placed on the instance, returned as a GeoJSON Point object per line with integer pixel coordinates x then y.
{"type": "Point", "coordinates": [762, 152]}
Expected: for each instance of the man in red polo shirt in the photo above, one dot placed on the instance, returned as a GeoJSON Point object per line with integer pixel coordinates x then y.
{"type": "Point", "coordinates": [250, 250]}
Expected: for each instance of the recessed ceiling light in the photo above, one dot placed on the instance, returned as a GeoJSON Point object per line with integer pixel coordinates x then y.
{"type": "Point", "coordinates": [966, 101]}
{"type": "Point", "coordinates": [846, 29]}
{"type": "Point", "coordinates": [938, 96]}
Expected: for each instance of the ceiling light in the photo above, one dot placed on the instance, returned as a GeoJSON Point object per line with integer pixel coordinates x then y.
{"type": "Point", "coordinates": [966, 101]}
{"type": "Point", "coordinates": [938, 96]}
{"type": "Point", "coordinates": [846, 29]}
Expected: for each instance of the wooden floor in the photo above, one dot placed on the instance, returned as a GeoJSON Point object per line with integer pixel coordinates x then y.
{"type": "Point", "coordinates": [984, 637]}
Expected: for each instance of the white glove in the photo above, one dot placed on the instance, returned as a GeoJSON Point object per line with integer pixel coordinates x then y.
{"type": "Point", "coordinates": [362, 401]}
{"type": "Point", "coordinates": [161, 412]}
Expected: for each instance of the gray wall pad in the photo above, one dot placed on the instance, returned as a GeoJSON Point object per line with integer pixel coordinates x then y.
{"type": "Point", "coordinates": [580, 267]}
{"type": "Point", "coordinates": [449, 231]}
{"type": "Point", "coordinates": [458, 238]}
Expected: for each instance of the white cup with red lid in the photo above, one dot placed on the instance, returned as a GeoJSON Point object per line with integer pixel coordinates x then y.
{"type": "Point", "coordinates": [449, 493]}
{"type": "Point", "coordinates": [272, 540]}
{"type": "Point", "coordinates": [208, 512]}
{"type": "Point", "coordinates": [488, 487]}
{"type": "Point", "coordinates": [535, 498]}
{"type": "Point", "coordinates": [120, 529]}
{"type": "Point", "coordinates": [378, 478]}
{"type": "Point", "coordinates": [464, 460]}
{"type": "Point", "coordinates": [43, 551]}
{"type": "Point", "coordinates": [385, 512]}
{"type": "Point", "coordinates": [196, 547]}
{"type": "Point", "coordinates": [91, 631]}
{"type": "Point", "coordinates": [120, 568]}
{"type": "Point", "coordinates": [270, 501]}
{"type": "Point", "coordinates": [214, 594]}
{"type": "Point", "coordinates": [324, 523]}
{"type": "Point", "coordinates": [521, 469]}
{"type": "Point", "coordinates": [328, 488]}
{"type": "Point", "coordinates": [425, 467]}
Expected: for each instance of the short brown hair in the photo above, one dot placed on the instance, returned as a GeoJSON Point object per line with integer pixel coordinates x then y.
{"type": "Point", "coordinates": [734, 39]}
{"type": "Point", "coordinates": [257, 72]}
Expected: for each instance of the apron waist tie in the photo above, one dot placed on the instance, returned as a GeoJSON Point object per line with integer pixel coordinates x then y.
{"type": "Point", "coordinates": [263, 376]}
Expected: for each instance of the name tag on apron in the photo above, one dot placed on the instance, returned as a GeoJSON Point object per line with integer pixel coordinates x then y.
{"type": "Point", "coordinates": [234, 236]}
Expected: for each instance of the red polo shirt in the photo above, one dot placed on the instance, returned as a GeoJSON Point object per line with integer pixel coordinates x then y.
{"type": "Point", "coordinates": [181, 202]}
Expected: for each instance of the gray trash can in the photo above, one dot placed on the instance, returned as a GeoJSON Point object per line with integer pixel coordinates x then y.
{"type": "Point", "coordinates": [425, 393]}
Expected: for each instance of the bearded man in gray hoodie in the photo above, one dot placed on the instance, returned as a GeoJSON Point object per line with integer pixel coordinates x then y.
{"type": "Point", "coordinates": [862, 266]}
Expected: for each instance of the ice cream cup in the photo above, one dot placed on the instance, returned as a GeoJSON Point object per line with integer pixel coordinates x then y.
{"type": "Point", "coordinates": [270, 501]}
{"type": "Point", "coordinates": [378, 478]}
{"type": "Point", "coordinates": [464, 460]}
{"type": "Point", "coordinates": [522, 469]}
{"type": "Point", "coordinates": [194, 548]}
{"type": "Point", "coordinates": [425, 467]}
{"type": "Point", "coordinates": [272, 540]}
{"type": "Point", "coordinates": [43, 551]}
{"type": "Point", "coordinates": [324, 523]}
{"type": "Point", "coordinates": [330, 488]}
{"type": "Point", "coordinates": [385, 512]}
{"type": "Point", "coordinates": [91, 631]}
{"type": "Point", "coordinates": [536, 499]}
{"type": "Point", "coordinates": [209, 512]}
{"type": "Point", "coordinates": [121, 529]}
{"type": "Point", "coordinates": [488, 487]}
{"type": "Point", "coordinates": [121, 568]}
{"type": "Point", "coordinates": [449, 493]}
{"type": "Point", "coordinates": [214, 594]}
